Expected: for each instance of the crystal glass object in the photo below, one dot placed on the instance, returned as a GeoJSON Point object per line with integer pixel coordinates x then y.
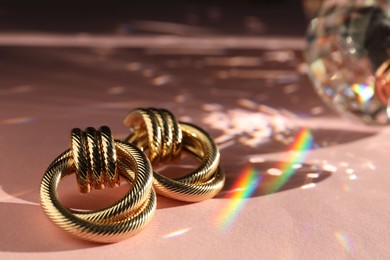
{"type": "Point", "coordinates": [347, 42]}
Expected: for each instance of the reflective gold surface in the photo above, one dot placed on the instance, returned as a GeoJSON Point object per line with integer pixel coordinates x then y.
{"type": "Point", "coordinates": [249, 92]}
{"type": "Point", "coordinates": [124, 218]}
{"type": "Point", "coordinates": [158, 131]}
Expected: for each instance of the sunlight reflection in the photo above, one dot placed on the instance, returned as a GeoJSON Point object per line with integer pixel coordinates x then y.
{"type": "Point", "coordinates": [177, 233]}
{"type": "Point", "coordinates": [248, 127]}
{"type": "Point", "coordinates": [181, 98]}
{"type": "Point", "coordinates": [161, 80]}
{"type": "Point", "coordinates": [246, 183]}
{"type": "Point", "coordinates": [226, 144]}
{"type": "Point", "coordinates": [17, 120]}
{"type": "Point", "coordinates": [247, 103]}
{"type": "Point", "coordinates": [238, 61]}
{"type": "Point", "coordinates": [279, 76]}
{"type": "Point", "coordinates": [297, 166]}
{"type": "Point", "coordinates": [299, 148]}
{"type": "Point", "coordinates": [317, 110]}
{"type": "Point", "coordinates": [329, 167]}
{"type": "Point", "coordinates": [279, 56]}
{"type": "Point", "coordinates": [18, 194]}
{"type": "Point", "coordinates": [313, 175]}
{"type": "Point", "coordinates": [256, 159]}
{"type": "Point", "coordinates": [274, 172]}
{"type": "Point", "coordinates": [344, 164]}
{"type": "Point", "coordinates": [345, 241]}
{"type": "Point", "coordinates": [308, 186]}
{"type": "Point", "coordinates": [116, 90]}
{"type": "Point", "coordinates": [363, 92]}
{"type": "Point", "coordinates": [222, 138]}
{"type": "Point", "coordinates": [353, 177]}
{"type": "Point", "coordinates": [371, 166]}
{"type": "Point", "coordinates": [185, 119]}
{"type": "Point", "coordinates": [290, 88]}
{"type": "Point", "coordinates": [346, 188]}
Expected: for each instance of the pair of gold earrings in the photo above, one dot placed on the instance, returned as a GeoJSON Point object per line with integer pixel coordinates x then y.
{"type": "Point", "coordinates": [98, 160]}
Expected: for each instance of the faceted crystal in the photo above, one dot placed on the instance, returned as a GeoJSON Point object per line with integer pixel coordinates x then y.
{"type": "Point", "coordinates": [347, 42]}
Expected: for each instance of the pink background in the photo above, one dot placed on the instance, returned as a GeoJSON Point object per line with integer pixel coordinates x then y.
{"type": "Point", "coordinates": [335, 205]}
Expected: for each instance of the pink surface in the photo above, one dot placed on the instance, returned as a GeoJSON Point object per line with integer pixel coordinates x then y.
{"type": "Point", "coordinates": [302, 183]}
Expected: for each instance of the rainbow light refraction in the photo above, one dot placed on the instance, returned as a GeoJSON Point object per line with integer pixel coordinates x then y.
{"type": "Point", "coordinates": [243, 188]}
{"type": "Point", "coordinates": [298, 149]}
{"type": "Point", "coordinates": [364, 92]}
{"type": "Point", "coordinates": [177, 233]}
{"type": "Point", "coordinates": [344, 241]}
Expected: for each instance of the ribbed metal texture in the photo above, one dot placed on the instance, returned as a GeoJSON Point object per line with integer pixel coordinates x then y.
{"type": "Point", "coordinates": [124, 218]}
{"type": "Point", "coordinates": [162, 136]}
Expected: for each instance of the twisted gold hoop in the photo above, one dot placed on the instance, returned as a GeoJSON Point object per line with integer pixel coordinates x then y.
{"type": "Point", "coordinates": [124, 218]}
{"type": "Point", "coordinates": [158, 132]}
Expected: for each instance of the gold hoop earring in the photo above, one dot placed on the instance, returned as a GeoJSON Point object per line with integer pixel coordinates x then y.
{"type": "Point", "coordinates": [98, 161]}
{"type": "Point", "coordinates": [158, 131]}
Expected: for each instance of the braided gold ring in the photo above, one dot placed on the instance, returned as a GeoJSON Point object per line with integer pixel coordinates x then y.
{"type": "Point", "coordinates": [158, 132]}
{"type": "Point", "coordinates": [124, 218]}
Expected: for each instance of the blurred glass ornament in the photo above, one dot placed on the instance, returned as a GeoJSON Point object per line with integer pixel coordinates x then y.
{"type": "Point", "coordinates": [348, 49]}
{"type": "Point", "coordinates": [311, 7]}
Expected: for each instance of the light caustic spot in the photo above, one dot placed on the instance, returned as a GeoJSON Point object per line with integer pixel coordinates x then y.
{"type": "Point", "coordinates": [308, 186]}
{"type": "Point", "coordinates": [353, 177]}
{"type": "Point", "coordinates": [17, 120]}
{"type": "Point", "coordinates": [329, 167]}
{"type": "Point", "coordinates": [162, 80]}
{"type": "Point", "coordinates": [274, 172]}
{"type": "Point", "coordinates": [177, 233]}
{"type": "Point", "coordinates": [313, 175]}
{"type": "Point", "coordinates": [252, 125]}
{"type": "Point", "coordinates": [363, 92]}
{"type": "Point", "coordinates": [344, 241]}
{"type": "Point", "coordinates": [116, 90]}
{"type": "Point", "coordinates": [298, 150]}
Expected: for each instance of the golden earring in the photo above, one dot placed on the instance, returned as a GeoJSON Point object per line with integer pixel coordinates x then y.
{"type": "Point", "coordinates": [98, 160]}
{"type": "Point", "coordinates": [158, 131]}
